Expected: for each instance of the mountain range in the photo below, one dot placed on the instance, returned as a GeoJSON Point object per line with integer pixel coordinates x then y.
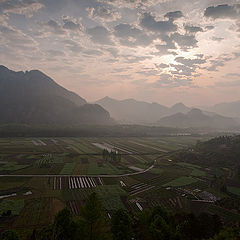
{"type": "Point", "coordinates": [230, 109]}
{"type": "Point", "coordinates": [34, 98]}
{"type": "Point", "coordinates": [133, 111]}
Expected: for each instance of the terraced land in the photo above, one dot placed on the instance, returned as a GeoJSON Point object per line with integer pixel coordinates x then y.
{"type": "Point", "coordinates": [35, 187]}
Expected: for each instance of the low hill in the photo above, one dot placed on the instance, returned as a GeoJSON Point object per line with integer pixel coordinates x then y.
{"type": "Point", "coordinates": [230, 109]}
{"type": "Point", "coordinates": [195, 118]}
{"type": "Point", "coordinates": [221, 151]}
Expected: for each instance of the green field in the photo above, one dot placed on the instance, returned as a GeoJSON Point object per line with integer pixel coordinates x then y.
{"type": "Point", "coordinates": [181, 181]}
{"type": "Point", "coordinates": [188, 165]}
{"type": "Point", "coordinates": [198, 173]}
{"type": "Point", "coordinates": [12, 166]}
{"type": "Point", "coordinates": [15, 206]}
{"type": "Point", "coordinates": [110, 197]}
{"type": "Point", "coordinates": [68, 168]}
{"type": "Point", "coordinates": [234, 190]}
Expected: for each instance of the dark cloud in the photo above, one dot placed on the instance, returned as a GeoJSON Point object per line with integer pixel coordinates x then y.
{"type": "Point", "coordinates": [54, 27]}
{"type": "Point", "coordinates": [230, 75]}
{"type": "Point", "coordinates": [199, 55]}
{"type": "Point", "coordinates": [23, 7]}
{"type": "Point", "coordinates": [173, 15]}
{"type": "Point", "coordinates": [135, 59]}
{"type": "Point", "coordinates": [113, 51]}
{"type": "Point", "coordinates": [193, 29]}
{"type": "Point", "coordinates": [182, 70]}
{"type": "Point", "coordinates": [15, 39]}
{"type": "Point", "coordinates": [221, 61]}
{"type": "Point", "coordinates": [185, 41]}
{"type": "Point", "coordinates": [190, 62]}
{"type": "Point", "coordinates": [209, 28]}
{"type": "Point", "coordinates": [223, 11]}
{"type": "Point", "coordinates": [162, 65]}
{"type": "Point", "coordinates": [73, 46]}
{"type": "Point", "coordinates": [233, 83]}
{"type": "Point", "coordinates": [148, 73]}
{"type": "Point", "coordinates": [55, 53]}
{"type": "Point", "coordinates": [71, 24]}
{"type": "Point", "coordinates": [130, 3]}
{"type": "Point", "coordinates": [215, 64]}
{"type": "Point", "coordinates": [169, 81]}
{"type": "Point", "coordinates": [93, 52]}
{"type": "Point", "coordinates": [187, 66]}
{"type": "Point", "coordinates": [149, 22]}
{"type": "Point", "coordinates": [164, 48]}
{"type": "Point", "coordinates": [103, 12]}
{"type": "Point", "coordinates": [132, 36]}
{"type": "Point", "coordinates": [217, 39]}
{"type": "Point", "coordinates": [100, 35]}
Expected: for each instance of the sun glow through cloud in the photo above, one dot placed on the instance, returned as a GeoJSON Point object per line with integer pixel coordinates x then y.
{"type": "Point", "coordinates": [159, 51]}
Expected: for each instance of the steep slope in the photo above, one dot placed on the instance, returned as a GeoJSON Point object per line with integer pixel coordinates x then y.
{"type": "Point", "coordinates": [197, 119]}
{"type": "Point", "coordinates": [133, 111]}
{"type": "Point", "coordinates": [32, 97]}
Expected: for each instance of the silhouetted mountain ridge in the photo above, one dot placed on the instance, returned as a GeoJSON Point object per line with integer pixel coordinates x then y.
{"type": "Point", "coordinates": [34, 98]}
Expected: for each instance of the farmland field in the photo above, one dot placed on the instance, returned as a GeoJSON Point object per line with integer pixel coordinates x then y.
{"type": "Point", "coordinates": [181, 181]}
{"type": "Point", "coordinates": [40, 176]}
{"type": "Point", "coordinates": [234, 190]}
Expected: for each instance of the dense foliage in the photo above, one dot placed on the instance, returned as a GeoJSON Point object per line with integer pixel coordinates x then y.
{"type": "Point", "coordinates": [220, 151]}
{"type": "Point", "coordinates": [151, 224]}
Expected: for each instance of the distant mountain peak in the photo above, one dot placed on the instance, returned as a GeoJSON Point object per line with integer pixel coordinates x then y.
{"type": "Point", "coordinates": [179, 104]}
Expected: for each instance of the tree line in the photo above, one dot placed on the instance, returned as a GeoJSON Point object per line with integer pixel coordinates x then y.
{"type": "Point", "coordinates": [151, 224]}
{"type": "Point", "coordinates": [113, 156]}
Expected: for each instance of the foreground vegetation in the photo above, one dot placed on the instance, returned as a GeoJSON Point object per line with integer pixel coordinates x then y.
{"type": "Point", "coordinates": [152, 224]}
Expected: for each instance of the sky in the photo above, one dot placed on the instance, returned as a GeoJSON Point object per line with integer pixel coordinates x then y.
{"type": "Point", "coordinates": [163, 51]}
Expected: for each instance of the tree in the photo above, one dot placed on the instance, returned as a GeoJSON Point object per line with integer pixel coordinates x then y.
{"type": "Point", "coordinates": [91, 212]}
{"type": "Point", "coordinates": [160, 229]}
{"type": "Point", "coordinates": [231, 233]}
{"type": "Point", "coordinates": [46, 233]}
{"type": "Point", "coordinates": [121, 225]}
{"type": "Point", "coordinates": [63, 227]}
{"type": "Point", "coordinates": [9, 235]}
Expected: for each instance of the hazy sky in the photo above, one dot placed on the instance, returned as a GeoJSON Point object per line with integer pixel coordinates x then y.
{"type": "Point", "coordinates": [162, 51]}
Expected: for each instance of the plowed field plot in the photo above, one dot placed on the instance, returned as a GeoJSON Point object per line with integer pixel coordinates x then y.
{"type": "Point", "coordinates": [68, 168]}
{"type": "Point", "coordinates": [36, 213]}
{"type": "Point", "coordinates": [139, 188]}
{"type": "Point", "coordinates": [110, 196]}
{"type": "Point", "coordinates": [14, 205]}
{"type": "Point", "coordinates": [74, 207]}
{"type": "Point", "coordinates": [59, 183]}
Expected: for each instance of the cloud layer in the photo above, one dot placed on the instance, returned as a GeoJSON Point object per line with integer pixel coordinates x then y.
{"type": "Point", "coordinates": [136, 46]}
